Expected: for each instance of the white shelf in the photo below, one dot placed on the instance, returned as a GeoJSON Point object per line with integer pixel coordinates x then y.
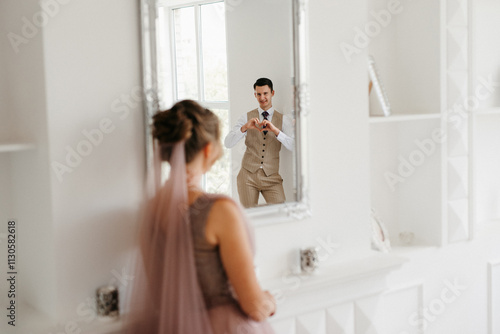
{"type": "Point", "coordinates": [40, 323]}
{"type": "Point", "coordinates": [403, 118]}
{"type": "Point", "coordinates": [15, 146]}
{"type": "Point", "coordinates": [342, 272]}
{"type": "Point", "coordinates": [406, 250]}
{"type": "Point", "coordinates": [487, 111]}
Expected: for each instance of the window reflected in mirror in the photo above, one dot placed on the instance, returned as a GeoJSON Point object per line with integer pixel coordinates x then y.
{"type": "Point", "coordinates": [193, 65]}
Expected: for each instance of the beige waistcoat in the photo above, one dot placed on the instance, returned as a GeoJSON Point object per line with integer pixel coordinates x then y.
{"type": "Point", "coordinates": [263, 150]}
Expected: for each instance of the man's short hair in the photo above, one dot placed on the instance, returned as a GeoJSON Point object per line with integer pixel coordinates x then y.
{"type": "Point", "coordinates": [263, 82]}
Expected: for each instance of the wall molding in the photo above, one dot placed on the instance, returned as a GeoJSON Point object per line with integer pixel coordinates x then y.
{"type": "Point", "coordinates": [493, 297]}
{"type": "Point", "coordinates": [362, 315]}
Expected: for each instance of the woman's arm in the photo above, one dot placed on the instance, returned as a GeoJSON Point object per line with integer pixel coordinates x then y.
{"type": "Point", "coordinates": [225, 227]}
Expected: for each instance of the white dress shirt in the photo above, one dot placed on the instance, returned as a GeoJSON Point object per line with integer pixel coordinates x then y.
{"type": "Point", "coordinates": [286, 136]}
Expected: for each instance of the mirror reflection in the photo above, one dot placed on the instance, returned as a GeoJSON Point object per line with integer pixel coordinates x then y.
{"type": "Point", "coordinates": [264, 130]}
{"type": "Point", "coordinates": [236, 60]}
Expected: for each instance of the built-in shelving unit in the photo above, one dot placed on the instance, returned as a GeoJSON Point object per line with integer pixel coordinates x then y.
{"type": "Point", "coordinates": [420, 154]}
{"type": "Point", "coordinates": [486, 115]}
{"type": "Point", "coordinates": [25, 177]}
{"type": "Point", "coordinates": [15, 146]}
{"type": "Point", "coordinates": [487, 167]}
{"type": "Point", "coordinates": [438, 89]}
{"type": "Point", "coordinates": [403, 118]}
{"type": "Point", "coordinates": [406, 178]}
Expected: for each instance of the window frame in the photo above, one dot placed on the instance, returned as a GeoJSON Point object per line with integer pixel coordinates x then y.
{"type": "Point", "coordinates": [199, 51]}
{"type": "Point", "coordinates": [169, 6]}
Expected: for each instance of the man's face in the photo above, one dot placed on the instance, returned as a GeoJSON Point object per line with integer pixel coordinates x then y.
{"type": "Point", "coordinates": [264, 95]}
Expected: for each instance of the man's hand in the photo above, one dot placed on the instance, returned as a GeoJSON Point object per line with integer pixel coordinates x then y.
{"type": "Point", "coordinates": [251, 124]}
{"type": "Point", "coordinates": [268, 126]}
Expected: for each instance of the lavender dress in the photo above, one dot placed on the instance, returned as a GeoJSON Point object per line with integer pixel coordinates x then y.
{"type": "Point", "coordinates": [224, 311]}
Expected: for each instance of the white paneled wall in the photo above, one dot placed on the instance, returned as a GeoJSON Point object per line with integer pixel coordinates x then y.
{"type": "Point", "coordinates": [402, 310]}
{"type": "Point", "coordinates": [494, 295]}
{"type": "Point", "coordinates": [340, 318]}
{"type": "Point", "coordinates": [395, 311]}
{"type": "Point", "coordinates": [457, 77]}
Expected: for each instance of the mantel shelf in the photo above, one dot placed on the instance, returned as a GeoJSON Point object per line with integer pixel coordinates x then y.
{"type": "Point", "coordinates": [39, 323]}
{"type": "Point", "coordinates": [15, 146]}
{"type": "Point", "coordinates": [403, 118]}
{"type": "Point", "coordinates": [348, 271]}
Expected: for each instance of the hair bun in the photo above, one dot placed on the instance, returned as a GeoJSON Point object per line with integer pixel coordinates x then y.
{"type": "Point", "coordinates": [189, 121]}
{"type": "Point", "coordinates": [171, 126]}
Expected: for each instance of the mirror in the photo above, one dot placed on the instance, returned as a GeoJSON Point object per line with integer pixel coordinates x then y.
{"type": "Point", "coordinates": [213, 52]}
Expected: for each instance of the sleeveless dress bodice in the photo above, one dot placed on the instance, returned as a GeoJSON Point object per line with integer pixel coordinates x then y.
{"type": "Point", "coordinates": [212, 277]}
{"type": "Point", "coordinates": [224, 312]}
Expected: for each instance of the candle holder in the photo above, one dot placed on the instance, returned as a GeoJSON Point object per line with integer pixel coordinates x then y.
{"type": "Point", "coordinates": [309, 260]}
{"type": "Point", "coordinates": [107, 302]}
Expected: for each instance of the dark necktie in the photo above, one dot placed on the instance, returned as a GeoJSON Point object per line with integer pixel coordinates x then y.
{"type": "Point", "coordinates": [265, 114]}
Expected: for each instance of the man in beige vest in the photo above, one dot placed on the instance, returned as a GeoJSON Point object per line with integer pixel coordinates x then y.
{"type": "Point", "coordinates": [265, 130]}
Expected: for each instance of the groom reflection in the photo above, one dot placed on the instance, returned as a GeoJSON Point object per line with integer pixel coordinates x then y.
{"type": "Point", "coordinates": [265, 130]}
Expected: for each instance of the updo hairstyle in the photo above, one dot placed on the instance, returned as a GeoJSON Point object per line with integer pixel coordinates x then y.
{"type": "Point", "coordinates": [189, 121]}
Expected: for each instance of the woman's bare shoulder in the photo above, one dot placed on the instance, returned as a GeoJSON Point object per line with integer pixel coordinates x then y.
{"type": "Point", "coordinates": [226, 208]}
{"type": "Point", "coordinates": [225, 218]}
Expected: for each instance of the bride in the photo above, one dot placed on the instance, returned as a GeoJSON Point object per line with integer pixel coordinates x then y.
{"type": "Point", "coordinates": [195, 270]}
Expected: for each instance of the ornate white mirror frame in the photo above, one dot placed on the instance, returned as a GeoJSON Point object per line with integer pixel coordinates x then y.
{"type": "Point", "coordinates": [267, 214]}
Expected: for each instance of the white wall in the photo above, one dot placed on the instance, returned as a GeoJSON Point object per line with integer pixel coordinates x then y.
{"type": "Point", "coordinates": [5, 116]}
{"type": "Point", "coordinates": [403, 44]}
{"type": "Point", "coordinates": [4, 47]}
{"type": "Point", "coordinates": [487, 167]}
{"type": "Point", "coordinates": [92, 52]}
{"type": "Point", "coordinates": [24, 72]}
{"type": "Point", "coordinates": [30, 200]}
{"type": "Point", "coordinates": [487, 64]}
{"type": "Point", "coordinates": [259, 44]}
{"type": "Point", "coordinates": [486, 49]}
{"type": "Point", "coordinates": [75, 228]}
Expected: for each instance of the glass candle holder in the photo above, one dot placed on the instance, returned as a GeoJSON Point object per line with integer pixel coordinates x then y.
{"type": "Point", "coordinates": [107, 302]}
{"type": "Point", "coordinates": [309, 260]}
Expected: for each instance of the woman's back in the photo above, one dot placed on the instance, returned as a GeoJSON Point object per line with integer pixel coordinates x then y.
{"type": "Point", "coordinates": [212, 277]}
{"type": "Point", "coordinates": [225, 313]}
